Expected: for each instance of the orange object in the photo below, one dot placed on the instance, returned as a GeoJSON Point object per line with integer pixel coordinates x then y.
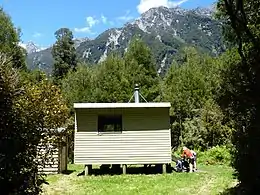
{"type": "Point", "coordinates": [187, 153]}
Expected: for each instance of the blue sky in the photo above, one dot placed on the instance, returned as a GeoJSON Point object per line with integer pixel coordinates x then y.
{"type": "Point", "coordinates": [39, 19]}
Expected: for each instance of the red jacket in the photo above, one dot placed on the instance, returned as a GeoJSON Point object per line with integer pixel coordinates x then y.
{"type": "Point", "coordinates": [187, 153]}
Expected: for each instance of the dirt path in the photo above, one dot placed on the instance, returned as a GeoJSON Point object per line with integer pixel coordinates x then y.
{"type": "Point", "coordinates": [206, 188]}
{"type": "Point", "coordinates": [63, 184]}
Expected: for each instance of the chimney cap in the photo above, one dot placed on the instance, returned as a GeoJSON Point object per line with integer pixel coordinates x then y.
{"type": "Point", "coordinates": [136, 93]}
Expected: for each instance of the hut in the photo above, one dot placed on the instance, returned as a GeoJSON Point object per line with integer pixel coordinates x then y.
{"type": "Point", "coordinates": [53, 155]}
{"type": "Point", "coordinates": [122, 134]}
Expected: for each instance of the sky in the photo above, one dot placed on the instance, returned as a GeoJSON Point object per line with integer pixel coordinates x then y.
{"type": "Point", "coordinates": [39, 19]}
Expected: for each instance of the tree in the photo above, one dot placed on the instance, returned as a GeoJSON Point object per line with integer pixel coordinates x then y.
{"type": "Point", "coordinates": [188, 85]}
{"type": "Point", "coordinates": [79, 85]}
{"type": "Point", "coordinates": [111, 81]}
{"type": "Point", "coordinates": [105, 82]}
{"type": "Point", "coordinates": [141, 69]}
{"type": "Point", "coordinates": [9, 38]}
{"type": "Point", "coordinates": [192, 88]}
{"type": "Point", "coordinates": [241, 21]}
{"type": "Point", "coordinates": [9, 128]}
{"type": "Point", "coordinates": [27, 116]}
{"type": "Point", "coordinates": [243, 104]}
{"type": "Point", "coordinates": [31, 76]}
{"type": "Point", "coordinates": [43, 107]}
{"type": "Point", "coordinates": [64, 53]}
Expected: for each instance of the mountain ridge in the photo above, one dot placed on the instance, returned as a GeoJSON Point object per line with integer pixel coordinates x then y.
{"type": "Point", "coordinates": [164, 30]}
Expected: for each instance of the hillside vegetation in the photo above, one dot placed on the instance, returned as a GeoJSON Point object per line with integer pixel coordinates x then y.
{"type": "Point", "coordinates": [214, 105]}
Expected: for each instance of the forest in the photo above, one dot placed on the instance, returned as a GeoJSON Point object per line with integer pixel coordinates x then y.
{"type": "Point", "coordinates": [214, 100]}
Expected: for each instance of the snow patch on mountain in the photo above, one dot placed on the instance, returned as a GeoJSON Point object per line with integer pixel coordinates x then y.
{"type": "Point", "coordinates": [111, 43]}
{"type": "Point", "coordinates": [163, 63]}
{"type": "Point", "coordinates": [172, 28]}
{"type": "Point", "coordinates": [86, 54]}
{"type": "Point", "coordinates": [31, 47]}
{"type": "Point", "coordinates": [159, 37]}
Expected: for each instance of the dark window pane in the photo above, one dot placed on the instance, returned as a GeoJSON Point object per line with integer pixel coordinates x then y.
{"type": "Point", "coordinates": [109, 123]}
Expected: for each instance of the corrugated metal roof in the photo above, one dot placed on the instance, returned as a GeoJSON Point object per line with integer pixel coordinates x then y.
{"type": "Point", "coordinates": [123, 105]}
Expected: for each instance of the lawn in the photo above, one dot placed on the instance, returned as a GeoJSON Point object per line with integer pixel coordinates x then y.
{"type": "Point", "coordinates": [210, 180]}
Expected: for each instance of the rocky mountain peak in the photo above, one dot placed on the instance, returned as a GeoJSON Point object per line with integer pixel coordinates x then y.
{"type": "Point", "coordinates": [30, 47]}
{"type": "Point", "coordinates": [208, 12]}
{"type": "Point", "coordinates": [164, 30]}
{"type": "Point", "coordinates": [162, 18]}
{"type": "Point", "coordinates": [78, 41]}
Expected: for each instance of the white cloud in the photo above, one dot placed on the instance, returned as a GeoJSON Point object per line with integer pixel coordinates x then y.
{"type": "Point", "coordinates": [83, 30]}
{"type": "Point", "coordinates": [90, 22]}
{"type": "Point", "coordinates": [37, 34]}
{"type": "Point", "coordinates": [125, 17]}
{"type": "Point", "coordinates": [145, 5]}
{"type": "Point", "coordinates": [103, 19]}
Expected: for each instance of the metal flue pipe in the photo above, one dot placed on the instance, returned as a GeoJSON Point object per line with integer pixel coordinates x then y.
{"type": "Point", "coordinates": [136, 93]}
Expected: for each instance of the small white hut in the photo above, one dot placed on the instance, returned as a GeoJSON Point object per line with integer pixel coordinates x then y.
{"type": "Point", "coordinates": [122, 133]}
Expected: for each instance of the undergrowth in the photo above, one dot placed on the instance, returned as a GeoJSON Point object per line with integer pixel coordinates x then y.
{"type": "Point", "coordinates": [218, 155]}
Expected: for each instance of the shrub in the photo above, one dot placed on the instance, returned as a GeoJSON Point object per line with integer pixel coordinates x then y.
{"type": "Point", "coordinates": [218, 155]}
{"type": "Point", "coordinates": [215, 155]}
{"type": "Point", "coordinates": [28, 115]}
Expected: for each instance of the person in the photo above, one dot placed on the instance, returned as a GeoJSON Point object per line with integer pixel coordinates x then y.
{"type": "Point", "coordinates": [189, 156]}
{"type": "Point", "coordinates": [179, 166]}
{"type": "Point", "coordinates": [194, 160]}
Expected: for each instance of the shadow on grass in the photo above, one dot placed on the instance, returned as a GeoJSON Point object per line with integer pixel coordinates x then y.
{"type": "Point", "coordinates": [67, 172]}
{"type": "Point", "coordinates": [117, 170]}
{"type": "Point", "coordinates": [233, 191]}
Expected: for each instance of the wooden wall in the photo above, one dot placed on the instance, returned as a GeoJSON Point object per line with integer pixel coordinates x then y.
{"type": "Point", "coordinates": [145, 138]}
{"type": "Point", "coordinates": [56, 157]}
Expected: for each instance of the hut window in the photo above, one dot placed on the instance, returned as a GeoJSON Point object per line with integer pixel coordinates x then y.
{"type": "Point", "coordinates": [110, 123]}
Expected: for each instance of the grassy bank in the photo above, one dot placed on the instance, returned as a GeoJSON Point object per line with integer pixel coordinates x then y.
{"type": "Point", "coordinates": [210, 180]}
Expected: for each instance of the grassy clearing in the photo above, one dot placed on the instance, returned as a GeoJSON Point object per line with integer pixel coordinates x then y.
{"type": "Point", "coordinates": [212, 180]}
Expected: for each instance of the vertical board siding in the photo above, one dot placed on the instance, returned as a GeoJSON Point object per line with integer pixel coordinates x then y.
{"type": "Point", "coordinates": [63, 158]}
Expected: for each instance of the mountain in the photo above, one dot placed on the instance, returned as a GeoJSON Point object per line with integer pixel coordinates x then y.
{"type": "Point", "coordinates": [78, 41]}
{"type": "Point", "coordinates": [31, 47]}
{"type": "Point", "coordinates": [43, 59]}
{"type": "Point", "coordinates": [164, 30]}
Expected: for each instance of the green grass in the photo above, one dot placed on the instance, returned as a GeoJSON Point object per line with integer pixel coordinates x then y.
{"type": "Point", "coordinates": [212, 180]}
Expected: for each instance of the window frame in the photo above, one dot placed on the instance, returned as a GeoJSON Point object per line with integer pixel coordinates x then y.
{"type": "Point", "coordinates": [102, 120]}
